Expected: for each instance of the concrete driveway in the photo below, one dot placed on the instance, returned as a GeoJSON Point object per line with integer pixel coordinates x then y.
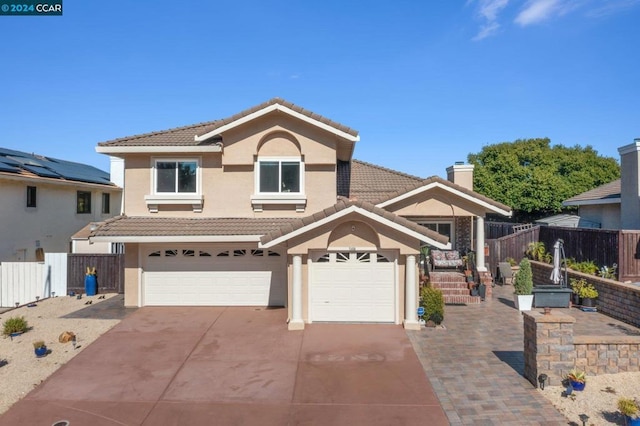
{"type": "Point", "coordinates": [236, 366]}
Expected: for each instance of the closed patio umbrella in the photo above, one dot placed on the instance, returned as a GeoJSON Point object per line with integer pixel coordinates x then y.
{"type": "Point", "coordinates": [556, 274]}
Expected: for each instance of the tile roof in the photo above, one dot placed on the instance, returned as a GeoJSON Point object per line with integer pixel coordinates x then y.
{"type": "Point", "coordinates": [342, 204]}
{"type": "Point", "coordinates": [185, 136]}
{"type": "Point", "coordinates": [33, 165]}
{"type": "Point", "coordinates": [369, 182]}
{"type": "Point", "coordinates": [124, 226]}
{"type": "Point", "coordinates": [376, 184]}
{"type": "Point", "coordinates": [608, 191]}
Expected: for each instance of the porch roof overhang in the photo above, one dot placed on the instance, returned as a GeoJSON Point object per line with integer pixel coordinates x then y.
{"type": "Point", "coordinates": [344, 208]}
{"type": "Point", "coordinates": [432, 183]}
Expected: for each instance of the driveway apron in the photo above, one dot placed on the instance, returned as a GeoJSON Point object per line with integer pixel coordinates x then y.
{"type": "Point", "coordinates": [228, 366]}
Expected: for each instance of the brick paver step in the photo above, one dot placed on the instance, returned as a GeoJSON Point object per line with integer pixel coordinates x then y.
{"type": "Point", "coordinates": [459, 299]}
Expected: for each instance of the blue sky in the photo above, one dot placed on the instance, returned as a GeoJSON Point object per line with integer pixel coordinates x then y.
{"type": "Point", "coordinates": [424, 82]}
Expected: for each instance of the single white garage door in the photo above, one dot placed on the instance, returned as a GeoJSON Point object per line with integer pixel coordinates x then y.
{"type": "Point", "coordinates": [203, 276]}
{"type": "Point", "coordinates": [353, 287]}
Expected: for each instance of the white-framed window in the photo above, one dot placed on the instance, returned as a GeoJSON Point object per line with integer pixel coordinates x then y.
{"type": "Point", "coordinates": [176, 176]}
{"type": "Point", "coordinates": [279, 175]}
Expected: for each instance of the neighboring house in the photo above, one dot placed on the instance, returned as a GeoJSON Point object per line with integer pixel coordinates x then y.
{"type": "Point", "coordinates": [567, 221]}
{"type": "Point", "coordinates": [46, 200]}
{"type": "Point", "coordinates": [615, 205]}
{"type": "Point", "coordinates": [267, 207]}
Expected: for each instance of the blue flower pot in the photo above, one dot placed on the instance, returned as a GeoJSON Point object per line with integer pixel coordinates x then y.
{"type": "Point", "coordinates": [40, 352]}
{"type": "Point", "coordinates": [577, 386]}
{"type": "Point", "coordinates": [633, 422]}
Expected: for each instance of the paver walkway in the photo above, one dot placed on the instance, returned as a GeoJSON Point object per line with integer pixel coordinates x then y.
{"type": "Point", "coordinates": [476, 364]}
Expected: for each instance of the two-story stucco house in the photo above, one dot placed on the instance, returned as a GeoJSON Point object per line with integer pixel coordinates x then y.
{"type": "Point", "coordinates": [268, 207]}
{"type": "Point", "coordinates": [46, 200]}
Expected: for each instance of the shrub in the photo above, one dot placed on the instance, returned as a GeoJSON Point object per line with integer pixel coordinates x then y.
{"type": "Point", "coordinates": [608, 272]}
{"type": "Point", "coordinates": [523, 282]}
{"type": "Point", "coordinates": [576, 285]}
{"type": "Point", "coordinates": [536, 251]}
{"type": "Point", "coordinates": [629, 407]}
{"type": "Point", "coordinates": [586, 267]}
{"type": "Point", "coordinates": [588, 291]}
{"type": "Point", "coordinates": [511, 261]}
{"type": "Point", "coordinates": [432, 300]}
{"type": "Point", "coordinates": [14, 325]}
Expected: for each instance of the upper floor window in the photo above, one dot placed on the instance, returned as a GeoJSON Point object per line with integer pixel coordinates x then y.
{"type": "Point", "coordinates": [106, 203]}
{"type": "Point", "coordinates": [176, 176]}
{"type": "Point", "coordinates": [279, 175]}
{"type": "Point", "coordinates": [83, 204]}
{"type": "Point", "coordinates": [31, 196]}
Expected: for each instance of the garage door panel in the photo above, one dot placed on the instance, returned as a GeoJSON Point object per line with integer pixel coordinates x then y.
{"type": "Point", "coordinates": [353, 292]}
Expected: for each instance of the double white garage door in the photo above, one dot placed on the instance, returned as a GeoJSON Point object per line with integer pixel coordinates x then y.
{"type": "Point", "coordinates": [209, 276]}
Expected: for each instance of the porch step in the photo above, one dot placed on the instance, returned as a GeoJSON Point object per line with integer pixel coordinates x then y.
{"type": "Point", "coordinates": [451, 286]}
{"type": "Point", "coordinates": [450, 299]}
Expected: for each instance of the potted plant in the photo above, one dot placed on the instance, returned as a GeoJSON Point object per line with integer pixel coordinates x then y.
{"type": "Point", "coordinates": [576, 286]}
{"type": "Point", "coordinates": [577, 378]}
{"type": "Point", "coordinates": [39, 348]}
{"type": "Point", "coordinates": [588, 295]}
{"type": "Point", "coordinates": [14, 326]}
{"type": "Point", "coordinates": [523, 286]}
{"type": "Point", "coordinates": [630, 408]}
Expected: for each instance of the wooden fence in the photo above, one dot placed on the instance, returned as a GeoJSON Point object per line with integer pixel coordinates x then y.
{"type": "Point", "coordinates": [603, 247]}
{"type": "Point", "coordinates": [109, 271]}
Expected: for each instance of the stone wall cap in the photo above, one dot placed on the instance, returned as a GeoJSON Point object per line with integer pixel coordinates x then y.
{"type": "Point", "coordinates": [553, 317]}
{"type": "Point", "coordinates": [606, 340]}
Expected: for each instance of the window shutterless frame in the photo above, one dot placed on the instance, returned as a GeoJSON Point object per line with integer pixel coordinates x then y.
{"type": "Point", "coordinates": [83, 202]}
{"type": "Point", "coordinates": [106, 203]}
{"type": "Point", "coordinates": [176, 176]}
{"type": "Point", "coordinates": [32, 192]}
{"type": "Point", "coordinates": [279, 175]}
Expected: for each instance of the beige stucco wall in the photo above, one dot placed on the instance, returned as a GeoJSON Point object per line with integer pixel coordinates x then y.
{"type": "Point", "coordinates": [51, 223]}
{"type": "Point", "coordinates": [435, 202]}
{"type": "Point", "coordinates": [228, 180]}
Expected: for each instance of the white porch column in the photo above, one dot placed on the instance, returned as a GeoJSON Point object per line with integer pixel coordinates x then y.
{"type": "Point", "coordinates": [410, 292]}
{"type": "Point", "coordinates": [296, 322]}
{"type": "Point", "coordinates": [480, 261]}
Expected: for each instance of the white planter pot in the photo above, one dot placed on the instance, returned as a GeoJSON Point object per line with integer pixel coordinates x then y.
{"type": "Point", "coordinates": [523, 302]}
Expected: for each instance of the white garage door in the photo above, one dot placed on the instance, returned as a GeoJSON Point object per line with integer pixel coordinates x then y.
{"type": "Point", "coordinates": [204, 276]}
{"type": "Point", "coordinates": [352, 287]}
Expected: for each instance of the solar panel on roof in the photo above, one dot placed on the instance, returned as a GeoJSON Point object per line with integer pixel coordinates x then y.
{"type": "Point", "coordinates": [26, 161]}
{"type": "Point", "coordinates": [41, 171]}
{"type": "Point", "coordinates": [4, 167]}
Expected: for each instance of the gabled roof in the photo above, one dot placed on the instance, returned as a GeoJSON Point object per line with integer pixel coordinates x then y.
{"type": "Point", "coordinates": [609, 193]}
{"type": "Point", "coordinates": [369, 182]}
{"type": "Point", "coordinates": [206, 136]}
{"type": "Point", "coordinates": [277, 104]}
{"type": "Point", "coordinates": [25, 165]}
{"type": "Point", "coordinates": [567, 221]}
{"type": "Point", "coordinates": [172, 229]}
{"type": "Point", "coordinates": [382, 187]}
{"type": "Point", "coordinates": [344, 207]}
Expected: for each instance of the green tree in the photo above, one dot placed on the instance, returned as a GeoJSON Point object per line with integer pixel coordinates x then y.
{"type": "Point", "coordinates": [533, 177]}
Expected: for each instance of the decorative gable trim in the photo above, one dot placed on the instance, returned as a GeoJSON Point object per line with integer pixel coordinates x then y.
{"type": "Point", "coordinates": [366, 213]}
{"type": "Point", "coordinates": [272, 108]}
{"type": "Point", "coordinates": [449, 189]}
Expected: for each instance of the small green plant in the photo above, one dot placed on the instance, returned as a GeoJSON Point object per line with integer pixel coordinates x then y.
{"type": "Point", "coordinates": [38, 344]}
{"type": "Point", "coordinates": [586, 267]}
{"type": "Point", "coordinates": [608, 272]}
{"type": "Point", "coordinates": [14, 325]}
{"type": "Point", "coordinates": [576, 285]}
{"type": "Point", "coordinates": [536, 251]}
{"type": "Point", "coordinates": [432, 300]}
{"type": "Point", "coordinates": [629, 407]}
{"type": "Point", "coordinates": [588, 291]}
{"type": "Point", "coordinates": [576, 375]}
{"type": "Point", "coordinates": [523, 282]}
{"type": "Point", "coordinates": [511, 261]}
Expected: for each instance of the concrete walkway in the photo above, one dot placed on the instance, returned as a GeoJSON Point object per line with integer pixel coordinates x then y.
{"type": "Point", "coordinates": [235, 366]}
{"type": "Point", "coordinates": [476, 364]}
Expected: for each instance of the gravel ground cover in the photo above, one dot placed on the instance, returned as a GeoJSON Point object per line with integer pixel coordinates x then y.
{"type": "Point", "coordinates": [20, 369]}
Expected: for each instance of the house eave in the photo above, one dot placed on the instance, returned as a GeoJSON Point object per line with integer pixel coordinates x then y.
{"type": "Point", "coordinates": [60, 182]}
{"type": "Point", "coordinates": [272, 108]}
{"type": "Point", "coordinates": [178, 239]}
{"type": "Point", "coordinates": [454, 191]}
{"type": "Point", "coordinates": [155, 149]}
{"type": "Point", "coordinates": [597, 202]}
{"type": "Point", "coordinates": [366, 213]}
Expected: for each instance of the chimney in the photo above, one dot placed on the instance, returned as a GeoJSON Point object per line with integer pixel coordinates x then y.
{"type": "Point", "coordinates": [630, 185]}
{"type": "Point", "coordinates": [461, 174]}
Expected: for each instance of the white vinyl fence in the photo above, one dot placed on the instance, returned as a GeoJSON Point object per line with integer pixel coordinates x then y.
{"type": "Point", "coordinates": [21, 282]}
